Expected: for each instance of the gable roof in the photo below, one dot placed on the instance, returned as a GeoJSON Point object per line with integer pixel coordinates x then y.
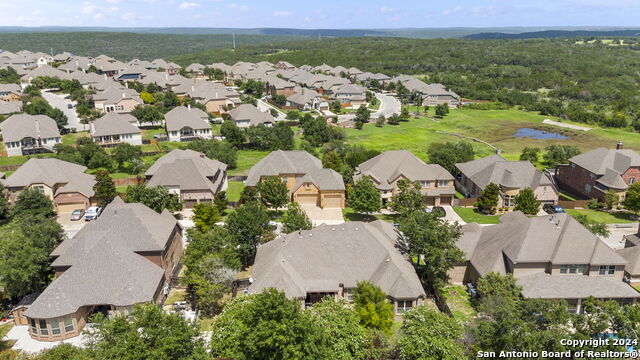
{"type": "Point", "coordinates": [50, 171]}
{"type": "Point", "coordinates": [20, 126]}
{"type": "Point", "coordinates": [321, 259]}
{"type": "Point", "coordinates": [385, 168]}
{"type": "Point", "coordinates": [546, 286]}
{"type": "Point", "coordinates": [296, 162]}
{"type": "Point", "coordinates": [114, 124]}
{"type": "Point", "coordinates": [599, 160]}
{"type": "Point", "coordinates": [9, 107]}
{"type": "Point", "coordinates": [104, 265]}
{"type": "Point", "coordinates": [495, 169]}
{"type": "Point", "coordinates": [187, 169]}
{"type": "Point", "coordinates": [181, 116]}
{"type": "Point", "coordinates": [248, 112]}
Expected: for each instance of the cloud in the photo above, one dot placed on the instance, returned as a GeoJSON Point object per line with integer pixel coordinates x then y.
{"type": "Point", "coordinates": [386, 9]}
{"type": "Point", "coordinates": [238, 7]}
{"type": "Point", "coordinates": [188, 6]}
{"type": "Point", "coordinates": [456, 9]}
{"type": "Point", "coordinates": [97, 12]}
{"type": "Point", "coordinates": [113, 1]}
{"type": "Point", "coordinates": [281, 13]}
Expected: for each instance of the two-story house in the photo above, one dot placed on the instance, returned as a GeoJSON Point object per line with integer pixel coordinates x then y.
{"type": "Point", "coordinates": [386, 169]}
{"type": "Point", "coordinates": [307, 181]}
{"type": "Point", "coordinates": [125, 257]}
{"type": "Point", "coordinates": [246, 115]}
{"type": "Point", "coordinates": [189, 174]}
{"type": "Point", "coordinates": [24, 134]}
{"type": "Point", "coordinates": [117, 99]}
{"type": "Point", "coordinates": [511, 176]}
{"type": "Point", "coordinates": [330, 260]}
{"type": "Point", "coordinates": [351, 95]}
{"type": "Point", "coordinates": [551, 257]}
{"type": "Point", "coordinates": [113, 129]}
{"type": "Point", "coordinates": [10, 92]}
{"type": "Point", "coordinates": [187, 124]}
{"type": "Point", "coordinates": [591, 174]}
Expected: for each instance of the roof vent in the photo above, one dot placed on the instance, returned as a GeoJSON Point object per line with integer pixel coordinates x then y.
{"type": "Point", "coordinates": [356, 229]}
{"type": "Point", "coordinates": [333, 229]}
{"type": "Point", "coordinates": [550, 218]}
{"type": "Point", "coordinates": [558, 224]}
{"type": "Point", "coordinates": [387, 260]}
{"type": "Point", "coordinates": [189, 107]}
{"type": "Point", "coordinates": [342, 229]}
{"type": "Point", "coordinates": [310, 234]}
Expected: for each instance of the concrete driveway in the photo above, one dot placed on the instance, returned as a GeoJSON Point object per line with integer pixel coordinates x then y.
{"type": "Point", "coordinates": [264, 107]}
{"type": "Point", "coordinates": [59, 102]}
{"type": "Point", "coordinates": [389, 105]}
{"type": "Point", "coordinates": [70, 228]}
{"type": "Point", "coordinates": [318, 216]}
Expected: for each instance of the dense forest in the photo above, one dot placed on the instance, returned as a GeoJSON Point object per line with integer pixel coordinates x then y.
{"type": "Point", "coordinates": [126, 46]}
{"type": "Point", "coordinates": [593, 83]}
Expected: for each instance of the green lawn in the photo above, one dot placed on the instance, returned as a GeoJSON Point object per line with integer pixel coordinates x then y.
{"type": "Point", "coordinates": [620, 217]}
{"type": "Point", "coordinates": [459, 302]}
{"type": "Point", "coordinates": [176, 295]}
{"type": "Point", "coordinates": [148, 132]}
{"type": "Point", "coordinates": [246, 159]}
{"type": "Point", "coordinates": [350, 215]}
{"type": "Point", "coordinates": [5, 346]}
{"type": "Point", "coordinates": [171, 145]}
{"type": "Point", "coordinates": [494, 126]}
{"type": "Point", "coordinates": [234, 190]}
{"type": "Point", "coordinates": [471, 215]}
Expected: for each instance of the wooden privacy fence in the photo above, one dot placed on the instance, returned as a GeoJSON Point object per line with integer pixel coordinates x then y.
{"type": "Point", "coordinates": [127, 181]}
{"type": "Point", "coordinates": [6, 168]}
{"type": "Point", "coordinates": [464, 202]}
{"type": "Point", "coordinates": [573, 204]}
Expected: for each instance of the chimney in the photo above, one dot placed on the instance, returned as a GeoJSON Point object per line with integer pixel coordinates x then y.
{"type": "Point", "coordinates": [193, 88]}
{"type": "Point", "coordinates": [124, 95]}
{"type": "Point", "coordinates": [619, 145]}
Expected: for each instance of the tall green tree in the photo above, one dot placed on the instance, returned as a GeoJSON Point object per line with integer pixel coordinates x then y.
{"type": "Point", "coordinates": [632, 198]}
{"type": "Point", "coordinates": [219, 150]}
{"type": "Point", "coordinates": [150, 115]}
{"type": "Point", "coordinates": [559, 154]}
{"type": "Point", "coordinates": [157, 198]}
{"type": "Point", "coordinates": [408, 199]}
{"type": "Point", "coordinates": [449, 154]}
{"type": "Point", "coordinates": [211, 280]}
{"type": "Point", "coordinates": [596, 227]}
{"type": "Point", "coordinates": [126, 153]}
{"type": "Point", "coordinates": [4, 205]}
{"type": "Point", "coordinates": [31, 203]}
{"type": "Point", "coordinates": [487, 202]}
{"type": "Point", "coordinates": [104, 188]}
{"type": "Point", "coordinates": [232, 133]}
{"type": "Point", "coordinates": [364, 197]}
{"type": "Point", "coordinates": [611, 199]}
{"type": "Point", "coordinates": [268, 326]}
{"type": "Point", "coordinates": [494, 284]}
{"type": "Point", "coordinates": [249, 226]}
{"type": "Point", "coordinates": [373, 307]}
{"type": "Point", "coordinates": [295, 219]}
{"type": "Point", "coordinates": [431, 243]}
{"type": "Point", "coordinates": [363, 114]}
{"type": "Point", "coordinates": [429, 334]}
{"type": "Point", "coordinates": [273, 192]}
{"type": "Point", "coordinates": [530, 154]}
{"type": "Point", "coordinates": [527, 202]}
{"type": "Point", "coordinates": [205, 216]}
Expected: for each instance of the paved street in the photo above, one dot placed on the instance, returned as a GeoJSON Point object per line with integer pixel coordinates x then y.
{"type": "Point", "coordinates": [264, 107]}
{"type": "Point", "coordinates": [59, 102]}
{"type": "Point", "coordinates": [389, 105]}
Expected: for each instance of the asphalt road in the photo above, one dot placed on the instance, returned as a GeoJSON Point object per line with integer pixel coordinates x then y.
{"type": "Point", "coordinates": [389, 105]}
{"type": "Point", "coordinates": [59, 102]}
{"type": "Point", "coordinates": [264, 107]}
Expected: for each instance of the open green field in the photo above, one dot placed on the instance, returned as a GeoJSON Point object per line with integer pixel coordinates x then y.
{"type": "Point", "coordinates": [493, 126]}
{"type": "Point", "coordinates": [618, 217]}
{"type": "Point", "coordinates": [470, 215]}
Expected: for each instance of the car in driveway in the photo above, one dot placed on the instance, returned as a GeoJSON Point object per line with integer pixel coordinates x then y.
{"type": "Point", "coordinates": [77, 214]}
{"type": "Point", "coordinates": [552, 209]}
{"type": "Point", "coordinates": [438, 211]}
{"type": "Point", "coordinates": [92, 213]}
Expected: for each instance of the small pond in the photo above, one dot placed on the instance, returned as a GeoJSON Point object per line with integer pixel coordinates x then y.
{"type": "Point", "coordinates": [538, 134]}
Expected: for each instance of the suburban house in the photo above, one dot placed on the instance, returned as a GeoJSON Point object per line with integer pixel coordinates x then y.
{"type": "Point", "coordinates": [187, 124]}
{"type": "Point", "coordinates": [117, 99]}
{"type": "Point", "coordinates": [552, 257]}
{"type": "Point", "coordinates": [307, 181]}
{"type": "Point", "coordinates": [246, 115]}
{"type": "Point", "coordinates": [304, 99]}
{"type": "Point", "coordinates": [10, 107]}
{"type": "Point", "coordinates": [595, 172]}
{"type": "Point", "coordinates": [351, 95]}
{"type": "Point", "coordinates": [216, 98]}
{"type": "Point", "coordinates": [511, 176]}
{"type": "Point", "coordinates": [65, 184]}
{"type": "Point", "coordinates": [24, 134]}
{"type": "Point", "coordinates": [189, 174]}
{"type": "Point", "coordinates": [631, 253]}
{"type": "Point", "coordinates": [330, 260]}
{"type": "Point", "coordinates": [10, 92]}
{"type": "Point", "coordinates": [386, 169]}
{"type": "Point", "coordinates": [433, 94]}
{"type": "Point", "coordinates": [125, 257]}
{"type": "Point", "coordinates": [113, 129]}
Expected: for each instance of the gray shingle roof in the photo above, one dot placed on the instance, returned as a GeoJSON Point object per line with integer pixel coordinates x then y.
{"type": "Point", "coordinates": [495, 169]}
{"type": "Point", "coordinates": [114, 124]}
{"type": "Point", "coordinates": [599, 160]}
{"type": "Point", "coordinates": [296, 162]}
{"type": "Point", "coordinates": [319, 260]}
{"type": "Point", "coordinates": [8, 107]}
{"type": "Point", "coordinates": [11, 88]}
{"type": "Point", "coordinates": [188, 169]}
{"type": "Point", "coordinates": [547, 286]}
{"type": "Point", "coordinates": [20, 126]}
{"type": "Point", "coordinates": [248, 112]}
{"type": "Point", "coordinates": [385, 168]}
{"type": "Point", "coordinates": [180, 117]}
{"type": "Point", "coordinates": [50, 172]}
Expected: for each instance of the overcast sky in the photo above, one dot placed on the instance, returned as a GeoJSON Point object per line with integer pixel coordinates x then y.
{"type": "Point", "coordinates": [320, 13]}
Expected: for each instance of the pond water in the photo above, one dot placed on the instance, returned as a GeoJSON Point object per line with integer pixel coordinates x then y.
{"type": "Point", "coordinates": [538, 134]}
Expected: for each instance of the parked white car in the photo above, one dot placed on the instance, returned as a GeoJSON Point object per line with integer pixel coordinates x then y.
{"type": "Point", "coordinates": [92, 213]}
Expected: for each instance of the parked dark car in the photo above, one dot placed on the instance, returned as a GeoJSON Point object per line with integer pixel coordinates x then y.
{"type": "Point", "coordinates": [437, 210]}
{"type": "Point", "coordinates": [552, 209]}
{"type": "Point", "coordinates": [69, 106]}
{"type": "Point", "coordinates": [77, 214]}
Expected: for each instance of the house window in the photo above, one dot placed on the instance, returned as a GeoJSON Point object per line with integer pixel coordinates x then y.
{"type": "Point", "coordinates": [43, 327]}
{"type": "Point", "coordinates": [425, 184]}
{"type": "Point", "coordinates": [443, 183]}
{"type": "Point", "coordinates": [587, 188]}
{"type": "Point", "coordinates": [563, 269]}
{"type": "Point", "coordinates": [68, 323]}
{"type": "Point", "coordinates": [573, 269]}
{"type": "Point", "coordinates": [55, 327]}
{"type": "Point", "coordinates": [632, 180]}
{"type": "Point", "coordinates": [607, 270]}
{"type": "Point", "coordinates": [39, 188]}
{"type": "Point", "coordinates": [403, 306]}
{"type": "Point", "coordinates": [509, 201]}
{"type": "Point", "coordinates": [592, 176]}
{"type": "Point", "coordinates": [348, 294]}
{"type": "Point", "coordinates": [34, 329]}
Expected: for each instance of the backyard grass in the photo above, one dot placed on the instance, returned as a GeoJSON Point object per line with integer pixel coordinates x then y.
{"type": "Point", "coordinates": [205, 324]}
{"type": "Point", "coordinates": [617, 217]}
{"type": "Point", "coordinates": [246, 159]}
{"type": "Point", "coordinates": [5, 346]}
{"type": "Point", "coordinates": [149, 132]}
{"type": "Point", "coordinates": [459, 302]}
{"type": "Point", "coordinates": [176, 295]}
{"type": "Point", "coordinates": [351, 215]}
{"type": "Point", "coordinates": [234, 190]}
{"type": "Point", "coordinates": [70, 139]}
{"type": "Point", "coordinates": [494, 126]}
{"type": "Point", "coordinates": [470, 215]}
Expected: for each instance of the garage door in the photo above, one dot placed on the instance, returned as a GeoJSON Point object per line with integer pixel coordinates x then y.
{"type": "Point", "coordinates": [189, 204]}
{"type": "Point", "coordinates": [445, 200]}
{"type": "Point", "coordinates": [431, 201]}
{"type": "Point", "coordinates": [67, 208]}
{"type": "Point", "coordinates": [333, 201]}
{"type": "Point", "coordinates": [307, 199]}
